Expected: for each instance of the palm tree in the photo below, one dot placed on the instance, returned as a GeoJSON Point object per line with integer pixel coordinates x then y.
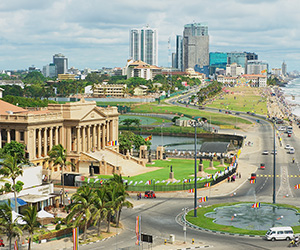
{"type": "Point", "coordinates": [58, 156]}
{"type": "Point", "coordinates": [30, 217]}
{"type": "Point", "coordinates": [122, 202]}
{"type": "Point", "coordinates": [11, 170]}
{"type": "Point", "coordinates": [81, 208]}
{"type": "Point", "coordinates": [101, 210]}
{"type": "Point", "coordinates": [7, 225]}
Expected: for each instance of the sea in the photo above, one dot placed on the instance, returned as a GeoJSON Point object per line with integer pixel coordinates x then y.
{"type": "Point", "coordinates": [291, 91]}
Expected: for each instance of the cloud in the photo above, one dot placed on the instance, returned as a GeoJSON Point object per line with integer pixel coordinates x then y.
{"type": "Point", "coordinates": [95, 33]}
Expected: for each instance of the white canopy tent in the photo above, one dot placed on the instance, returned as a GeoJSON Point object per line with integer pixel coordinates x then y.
{"type": "Point", "coordinates": [17, 218]}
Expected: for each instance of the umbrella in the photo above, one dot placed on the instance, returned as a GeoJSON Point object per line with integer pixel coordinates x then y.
{"type": "Point", "coordinates": [17, 218]}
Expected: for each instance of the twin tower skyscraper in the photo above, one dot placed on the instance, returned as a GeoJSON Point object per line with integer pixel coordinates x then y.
{"type": "Point", "coordinates": [192, 48]}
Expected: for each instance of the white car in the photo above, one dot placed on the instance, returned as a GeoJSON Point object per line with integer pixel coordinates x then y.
{"type": "Point", "coordinates": [292, 150]}
{"type": "Point", "coordinates": [287, 146]}
{"type": "Point", "coordinates": [265, 152]}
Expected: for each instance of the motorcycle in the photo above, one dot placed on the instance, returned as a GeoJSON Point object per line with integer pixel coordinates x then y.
{"type": "Point", "coordinates": [294, 243]}
{"type": "Point", "coordinates": [1, 243]}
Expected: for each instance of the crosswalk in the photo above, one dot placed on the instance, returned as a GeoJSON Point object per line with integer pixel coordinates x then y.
{"type": "Point", "coordinates": [271, 175]}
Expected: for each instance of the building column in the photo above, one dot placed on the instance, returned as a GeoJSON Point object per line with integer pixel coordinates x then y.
{"type": "Point", "coordinates": [51, 138]}
{"type": "Point", "coordinates": [8, 135]}
{"type": "Point", "coordinates": [39, 143]}
{"type": "Point", "coordinates": [89, 138]}
{"type": "Point", "coordinates": [83, 139]}
{"type": "Point", "coordinates": [69, 139]}
{"type": "Point", "coordinates": [45, 142]}
{"type": "Point", "coordinates": [94, 137]}
{"type": "Point", "coordinates": [56, 135]}
{"type": "Point", "coordinates": [17, 134]}
{"type": "Point", "coordinates": [103, 136]}
{"type": "Point", "coordinates": [0, 138]}
{"type": "Point", "coordinates": [78, 140]}
{"type": "Point", "coordinates": [107, 132]}
{"type": "Point", "coordinates": [98, 137]}
{"type": "Point", "coordinates": [33, 149]}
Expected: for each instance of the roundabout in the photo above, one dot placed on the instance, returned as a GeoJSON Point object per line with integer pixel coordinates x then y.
{"type": "Point", "coordinates": [243, 218]}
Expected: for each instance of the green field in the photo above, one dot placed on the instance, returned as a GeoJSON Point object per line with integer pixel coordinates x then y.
{"type": "Point", "coordinates": [182, 168]}
{"type": "Point", "coordinates": [145, 120]}
{"type": "Point", "coordinates": [242, 99]}
{"type": "Point", "coordinates": [213, 118]}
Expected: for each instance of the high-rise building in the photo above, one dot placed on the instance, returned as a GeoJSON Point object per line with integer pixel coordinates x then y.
{"type": "Point", "coordinates": [217, 60]}
{"type": "Point", "coordinates": [255, 67]}
{"type": "Point", "coordinates": [178, 60]}
{"type": "Point", "coordinates": [61, 63]}
{"type": "Point", "coordinates": [50, 70]}
{"type": "Point", "coordinates": [283, 68]}
{"type": "Point", "coordinates": [195, 46]}
{"type": "Point", "coordinates": [144, 45]}
{"type": "Point", "coordinates": [241, 58]}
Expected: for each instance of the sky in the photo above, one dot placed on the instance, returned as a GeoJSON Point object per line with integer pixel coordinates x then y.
{"type": "Point", "coordinates": [95, 33]}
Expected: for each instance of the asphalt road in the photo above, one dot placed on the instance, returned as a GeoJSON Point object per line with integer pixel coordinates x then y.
{"type": "Point", "coordinates": [159, 215]}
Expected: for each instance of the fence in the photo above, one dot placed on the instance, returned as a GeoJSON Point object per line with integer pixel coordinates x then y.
{"type": "Point", "coordinates": [177, 187]}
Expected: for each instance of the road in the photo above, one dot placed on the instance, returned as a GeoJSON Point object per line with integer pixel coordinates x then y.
{"type": "Point", "coordinates": [158, 216]}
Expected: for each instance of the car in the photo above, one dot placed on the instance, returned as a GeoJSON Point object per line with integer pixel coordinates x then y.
{"type": "Point", "coordinates": [265, 152]}
{"type": "Point", "coordinates": [253, 176]}
{"type": "Point", "coordinates": [149, 194]}
{"type": "Point", "coordinates": [262, 166]}
{"type": "Point", "coordinates": [287, 146]}
{"type": "Point", "coordinates": [292, 150]}
{"type": "Point", "coordinates": [273, 152]}
{"type": "Point", "coordinates": [237, 113]}
{"type": "Point", "coordinates": [289, 135]}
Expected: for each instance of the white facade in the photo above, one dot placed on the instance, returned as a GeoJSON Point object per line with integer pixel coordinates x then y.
{"type": "Point", "coordinates": [144, 45]}
{"type": "Point", "coordinates": [257, 67]}
{"type": "Point", "coordinates": [141, 69]}
{"type": "Point", "coordinates": [234, 70]}
{"type": "Point", "coordinates": [276, 71]}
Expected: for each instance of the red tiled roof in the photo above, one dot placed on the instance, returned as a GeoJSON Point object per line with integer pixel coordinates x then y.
{"type": "Point", "coordinates": [6, 107]}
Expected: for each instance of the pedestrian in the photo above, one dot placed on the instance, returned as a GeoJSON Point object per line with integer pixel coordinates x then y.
{"type": "Point", "coordinates": [240, 175]}
{"type": "Point", "coordinates": [137, 196]}
{"type": "Point", "coordinates": [140, 195]}
{"type": "Point", "coordinates": [228, 178]}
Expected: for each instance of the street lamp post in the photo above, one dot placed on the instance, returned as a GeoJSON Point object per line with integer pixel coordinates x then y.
{"type": "Point", "coordinates": [184, 225]}
{"type": "Point", "coordinates": [274, 165]}
{"type": "Point", "coordinates": [195, 124]}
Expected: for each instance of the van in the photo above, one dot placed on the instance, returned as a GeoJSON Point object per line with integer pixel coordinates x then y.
{"type": "Point", "coordinates": [279, 233]}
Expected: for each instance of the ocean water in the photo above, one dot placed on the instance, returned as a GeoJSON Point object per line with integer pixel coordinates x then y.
{"type": "Point", "coordinates": [292, 95]}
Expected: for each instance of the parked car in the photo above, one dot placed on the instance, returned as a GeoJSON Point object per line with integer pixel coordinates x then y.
{"type": "Point", "coordinates": [287, 146]}
{"type": "Point", "coordinates": [265, 152]}
{"type": "Point", "coordinates": [292, 150]}
{"type": "Point", "coordinates": [149, 194]}
{"type": "Point", "coordinates": [262, 166]}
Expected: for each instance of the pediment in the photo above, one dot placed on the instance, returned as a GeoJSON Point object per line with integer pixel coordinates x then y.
{"type": "Point", "coordinates": [94, 114]}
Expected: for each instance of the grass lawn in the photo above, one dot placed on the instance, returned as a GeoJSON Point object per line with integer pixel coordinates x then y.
{"type": "Point", "coordinates": [182, 168]}
{"type": "Point", "coordinates": [145, 120]}
{"type": "Point", "coordinates": [242, 99]}
{"type": "Point", "coordinates": [213, 118]}
{"type": "Point", "coordinates": [204, 222]}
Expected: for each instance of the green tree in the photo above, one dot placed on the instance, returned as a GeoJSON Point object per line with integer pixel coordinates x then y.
{"type": "Point", "coordinates": [82, 208]}
{"type": "Point", "coordinates": [11, 170]}
{"type": "Point", "coordinates": [58, 156]}
{"type": "Point", "coordinates": [100, 210]}
{"type": "Point", "coordinates": [127, 122]}
{"type": "Point", "coordinates": [34, 77]}
{"type": "Point", "coordinates": [119, 194]}
{"type": "Point", "coordinates": [30, 217]}
{"type": "Point", "coordinates": [7, 226]}
{"type": "Point", "coordinates": [14, 148]}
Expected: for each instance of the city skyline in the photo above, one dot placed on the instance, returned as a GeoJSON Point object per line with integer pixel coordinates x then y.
{"type": "Point", "coordinates": [92, 35]}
